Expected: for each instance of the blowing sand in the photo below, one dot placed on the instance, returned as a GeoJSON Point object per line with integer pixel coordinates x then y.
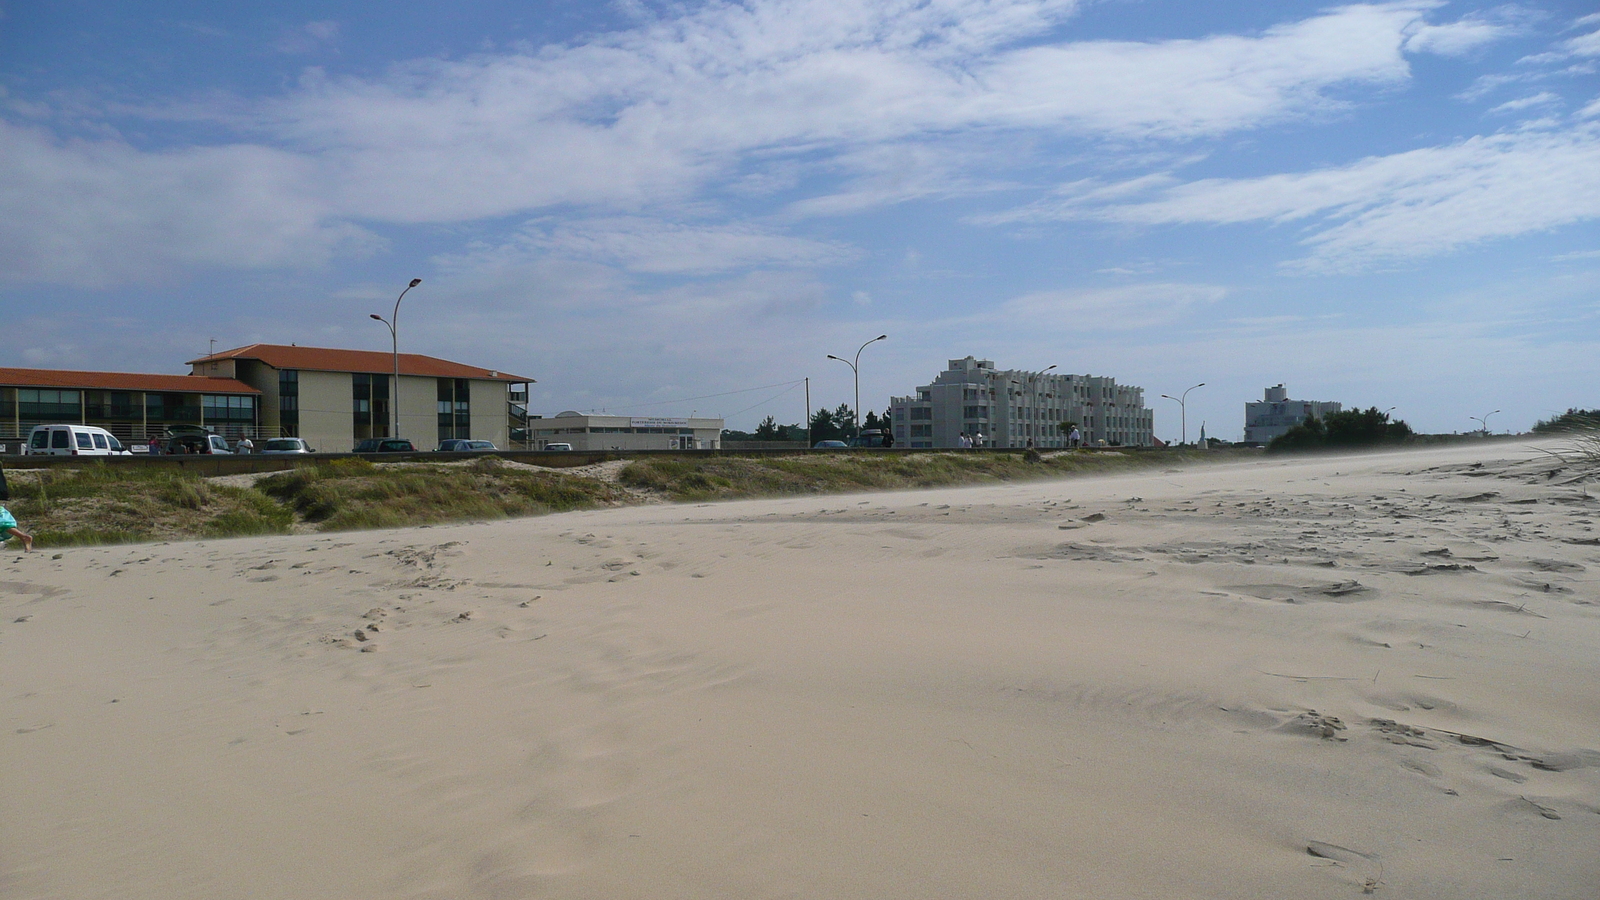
{"type": "Point", "coordinates": [1283, 679]}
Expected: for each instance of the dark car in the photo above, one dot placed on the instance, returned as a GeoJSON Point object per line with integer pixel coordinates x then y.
{"type": "Point", "coordinates": [461, 445]}
{"type": "Point", "coordinates": [830, 445]}
{"type": "Point", "coordinates": [192, 439]}
{"type": "Point", "coordinates": [385, 445]}
{"type": "Point", "coordinates": [872, 437]}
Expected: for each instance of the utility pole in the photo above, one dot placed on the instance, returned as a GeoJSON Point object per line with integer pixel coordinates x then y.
{"type": "Point", "coordinates": [808, 412]}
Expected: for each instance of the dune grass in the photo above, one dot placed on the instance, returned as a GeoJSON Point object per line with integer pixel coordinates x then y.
{"type": "Point", "coordinates": [355, 493]}
{"type": "Point", "coordinates": [105, 504]}
{"type": "Point", "coordinates": [730, 477]}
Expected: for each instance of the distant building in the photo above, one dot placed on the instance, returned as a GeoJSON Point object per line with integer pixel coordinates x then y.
{"type": "Point", "coordinates": [334, 398]}
{"type": "Point", "coordinates": [592, 432]}
{"type": "Point", "coordinates": [1009, 407]}
{"type": "Point", "coordinates": [1275, 415]}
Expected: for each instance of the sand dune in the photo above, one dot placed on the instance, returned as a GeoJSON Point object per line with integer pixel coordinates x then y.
{"type": "Point", "coordinates": [1303, 678]}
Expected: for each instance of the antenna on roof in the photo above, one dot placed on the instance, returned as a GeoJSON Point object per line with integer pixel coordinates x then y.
{"type": "Point", "coordinates": [213, 347]}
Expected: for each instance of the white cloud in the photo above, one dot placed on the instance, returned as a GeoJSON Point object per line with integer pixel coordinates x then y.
{"type": "Point", "coordinates": [644, 245]}
{"type": "Point", "coordinates": [654, 114]}
{"type": "Point", "coordinates": [101, 213]}
{"type": "Point", "coordinates": [1583, 45]}
{"type": "Point", "coordinates": [650, 120]}
{"type": "Point", "coordinates": [1576, 255]}
{"type": "Point", "coordinates": [1456, 38]}
{"type": "Point", "coordinates": [1543, 98]}
{"type": "Point", "coordinates": [1419, 203]}
{"type": "Point", "coordinates": [308, 37]}
{"type": "Point", "coordinates": [1110, 309]}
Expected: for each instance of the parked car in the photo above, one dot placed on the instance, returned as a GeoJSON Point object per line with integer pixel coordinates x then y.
{"type": "Point", "coordinates": [830, 445]}
{"type": "Point", "coordinates": [462, 445]}
{"type": "Point", "coordinates": [192, 439]}
{"type": "Point", "coordinates": [74, 440]}
{"type": "Point", "coordinates": [385, 445]}
{"type": "Point", "coordinates": [285, 445]}
{"type": "Point", "coordinates": [871, 437]}
{"type": "Point", "coordinates": [560, 445]}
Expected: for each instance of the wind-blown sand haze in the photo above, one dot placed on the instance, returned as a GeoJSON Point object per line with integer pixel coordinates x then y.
{"type": "Point", "coordinates": [1296, 678]}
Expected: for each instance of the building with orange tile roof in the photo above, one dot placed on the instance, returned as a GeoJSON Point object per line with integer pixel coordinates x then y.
{"type": "Point", "coordinates": [331, 397]}
{"type": "Point", "coordinates": [334, 398]}
{"type": "Point", "coordinates": [133, 406]}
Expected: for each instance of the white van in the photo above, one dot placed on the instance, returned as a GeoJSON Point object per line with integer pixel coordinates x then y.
{"type": "Point", "coordinates": [74, 440]}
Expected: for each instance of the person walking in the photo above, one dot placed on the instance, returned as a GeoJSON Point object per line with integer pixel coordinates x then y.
{"type": "Point", "coordinates": [245, 445]}
{"type": "Point", "coordinates": [977, 440]}
{"type": "Point", "coordinates": [1075, 438]}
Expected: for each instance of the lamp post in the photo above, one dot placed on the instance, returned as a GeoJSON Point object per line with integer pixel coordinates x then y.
{"type": "Point", "coordinates": [394, 338]}
{"type": "Point", "coordinates": [1483, 420]}
{"type": "Point", "coordinates": [1183, 413]}
{"type": "Point", "coordinates": [855, 368]}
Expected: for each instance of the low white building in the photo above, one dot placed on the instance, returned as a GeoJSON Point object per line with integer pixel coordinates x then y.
{"type": "Point", "coordinates": [592, 432]}
{"type": "Point", "coordinates": [1276, 414]}
{"type": "Point", "coordinates": [1012, 407]}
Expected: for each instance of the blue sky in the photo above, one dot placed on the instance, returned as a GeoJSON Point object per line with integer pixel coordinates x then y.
{"type": "Point", "coordinates": [635, 202]}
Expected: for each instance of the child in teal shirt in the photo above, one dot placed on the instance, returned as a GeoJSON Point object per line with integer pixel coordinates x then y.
{"type": "Point", "coordinates": [8, 527]}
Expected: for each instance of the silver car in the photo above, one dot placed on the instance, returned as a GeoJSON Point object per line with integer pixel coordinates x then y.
{"type": "Point", "coordinates": [462, 445]}
{"type": "Point", "coordinates": [285, 445]}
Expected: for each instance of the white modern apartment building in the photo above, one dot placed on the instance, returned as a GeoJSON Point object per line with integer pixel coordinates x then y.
{"type": "Point", "coordinates": [592, 432]}
{"type": "Point", "coordinates": [1268, 418]}
{"type": "Point", "coordinates": [1012, 407]}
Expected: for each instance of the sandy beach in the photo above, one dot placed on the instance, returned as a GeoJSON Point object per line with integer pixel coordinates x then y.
{"type": "Point", "coordinates": [1299, 678]}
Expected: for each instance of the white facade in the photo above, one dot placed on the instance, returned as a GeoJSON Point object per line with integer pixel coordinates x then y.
{"type": "Point", "coordinates": [588, 432]}
{"type": "Point", "coordinates": [1012, 407]}
{"type": "Point", "coordinates": [1276, 414]}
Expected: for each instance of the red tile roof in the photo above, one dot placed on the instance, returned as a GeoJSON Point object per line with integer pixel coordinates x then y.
{"type": "Point", "coordinates": [322, 359]}
{"type": "Point", "coordinates": [121, 381]}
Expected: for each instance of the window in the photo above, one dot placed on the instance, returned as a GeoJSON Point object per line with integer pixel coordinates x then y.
{"type": "Point", "coordinates": [975, 412]}
{"type": "Point", "coordinates": [921, 412]}
{"type": "Point", "coordinates": [921, 431]}
{"type": "Point", "coordinates": [289, 401]}
{"type": "Point", "coordinates": [172, 407]}
{"type": "Point", "coordinates": [225, 408]}
{"type": "Point", "coordinates": [39, 404]}
{"type": "Point", "coordinates": [454, 408]}
{"type": "Point", "coordinates": [369, 396]}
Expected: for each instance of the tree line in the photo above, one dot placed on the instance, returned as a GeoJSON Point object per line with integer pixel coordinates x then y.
{"type": "Point", "coordinates": [837, 424]}
{"type": "Point", "coordinates": [1572, 420]}
{"type": "Point", "coordinates": [1349, 428]}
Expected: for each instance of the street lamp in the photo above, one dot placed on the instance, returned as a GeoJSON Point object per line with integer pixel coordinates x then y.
{"type": "Point", "coordinates": [1483, 420]}
{"type": "Point", "coordinates": [1183, 413]}
{"type": "Point", "coordinates": [394, 338]}
{"type": "Point", "coordinates": [855, 368]}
